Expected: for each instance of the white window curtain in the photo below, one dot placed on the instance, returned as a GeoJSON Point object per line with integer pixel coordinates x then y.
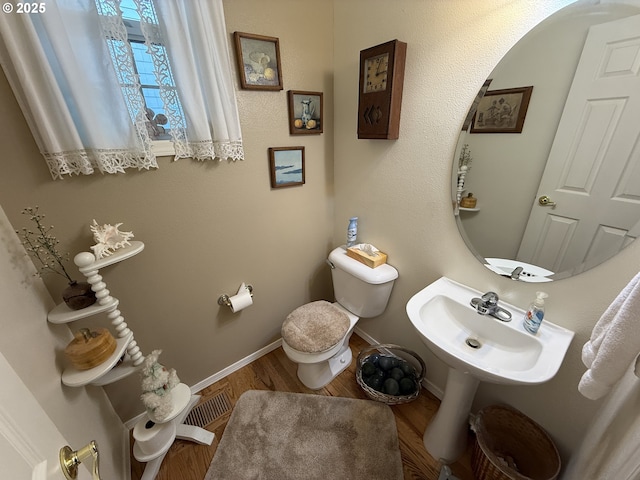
{"type": "Point", "coordinates": [196, 38]}
{"type": "Point", "coordinates": [59, 66]}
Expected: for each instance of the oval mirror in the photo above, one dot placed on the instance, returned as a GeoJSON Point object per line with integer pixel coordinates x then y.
{"type": "Point", "coordinates": [546, 174]}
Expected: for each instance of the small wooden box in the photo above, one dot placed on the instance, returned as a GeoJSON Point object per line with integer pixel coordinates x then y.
{"type": "Point", "coordinates": [371, 261]}
{"type": "Point", "coordinates": [90, 349]}
{"type": "Point", "coordinates": [469, 201]}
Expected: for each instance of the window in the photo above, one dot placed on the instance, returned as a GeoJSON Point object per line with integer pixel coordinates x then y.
{"type": "Point", "coordinates": [72, 75]}
{"type": "Point", "coordinates": [145, 67]}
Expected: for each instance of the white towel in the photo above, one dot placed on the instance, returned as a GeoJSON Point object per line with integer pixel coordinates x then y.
{"type": "Point", "coordinates": [614, 343]}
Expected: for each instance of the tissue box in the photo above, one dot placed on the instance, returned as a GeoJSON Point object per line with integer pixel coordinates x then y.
{"type": "Point", "coordinates": [371, 261]}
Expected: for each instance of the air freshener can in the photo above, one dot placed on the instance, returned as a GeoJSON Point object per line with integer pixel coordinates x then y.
{"type": "Point", "coordinates": [352, 231]}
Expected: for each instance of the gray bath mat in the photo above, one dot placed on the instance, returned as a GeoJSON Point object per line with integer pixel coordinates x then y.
{"type": "Point", "coordinates": [293, 436]}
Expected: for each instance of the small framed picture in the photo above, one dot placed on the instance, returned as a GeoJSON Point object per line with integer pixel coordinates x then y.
{"type": "Point", "coordinates": [305, 112]}
{"type": "Point", "coordinates": [258, 61]}
{"type": "Point", "coordinates": [286, 165]}
{"type": "Point", "coordinates": [502, 111]}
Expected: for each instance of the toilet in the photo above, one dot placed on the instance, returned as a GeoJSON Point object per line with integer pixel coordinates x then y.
{"type": "Point", "coordinates": [316, 335]}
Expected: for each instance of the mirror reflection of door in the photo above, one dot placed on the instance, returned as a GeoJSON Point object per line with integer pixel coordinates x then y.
{"type": "Point", "coordinates": [593, 170]}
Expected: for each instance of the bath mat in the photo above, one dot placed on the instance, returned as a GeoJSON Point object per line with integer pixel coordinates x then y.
{"type": "Point", "coordinates": [293, 436]}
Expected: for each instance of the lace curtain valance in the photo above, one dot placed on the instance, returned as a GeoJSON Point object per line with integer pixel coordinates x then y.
{"type": "Point", "coordinates": [74, 73]}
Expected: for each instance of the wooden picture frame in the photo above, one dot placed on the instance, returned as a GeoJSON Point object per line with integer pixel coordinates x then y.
{"type": "Point", "coordinates": [286, 165]}
{"type": "Point", "coordinates": [502, 111]}
{"type": "Point", "coordinates": [258, 59]}
{"type": "Point", "coordinates": [305, 112]}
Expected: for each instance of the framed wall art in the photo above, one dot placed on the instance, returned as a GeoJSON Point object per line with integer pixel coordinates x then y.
{"type": "Point", "coordinates": [286, 165]}
{"type": "Point", "coordinates": [502, 111]}
{"type": "Point", "coordinates": [305, 112]}
{"type": "Point", "coordinates": [258, 61]}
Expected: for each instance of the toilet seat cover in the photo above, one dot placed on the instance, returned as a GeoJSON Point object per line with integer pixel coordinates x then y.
{"type": "Point", "coordinates": [315, 327]}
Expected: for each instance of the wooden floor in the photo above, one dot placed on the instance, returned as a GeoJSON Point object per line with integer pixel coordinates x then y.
{"type": "Point", "coordinates": [274, 371]}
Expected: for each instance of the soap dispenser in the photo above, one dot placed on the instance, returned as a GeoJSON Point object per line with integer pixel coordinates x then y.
{"type": "Point", "coordinates": [535, 313]}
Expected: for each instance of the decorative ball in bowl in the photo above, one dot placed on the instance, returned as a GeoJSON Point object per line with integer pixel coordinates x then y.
{"type": "Point", "coordinates": [390, 374]}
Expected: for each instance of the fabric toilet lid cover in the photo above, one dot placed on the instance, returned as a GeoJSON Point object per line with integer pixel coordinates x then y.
{"type": "Point", "coordinates": [315, 327]}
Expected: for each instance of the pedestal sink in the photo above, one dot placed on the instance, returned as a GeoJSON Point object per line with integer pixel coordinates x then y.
{"type": "Point", "coordinates": [477, 348]}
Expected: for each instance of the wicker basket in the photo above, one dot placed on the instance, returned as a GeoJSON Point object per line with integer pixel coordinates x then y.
{"type": "Point", "coordinates": [511, 446]}
{"type": "Point", "coordinates": [401, 353]}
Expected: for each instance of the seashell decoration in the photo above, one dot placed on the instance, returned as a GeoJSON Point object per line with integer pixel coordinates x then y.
{"type": "Point", "coordinates": [108, 239]}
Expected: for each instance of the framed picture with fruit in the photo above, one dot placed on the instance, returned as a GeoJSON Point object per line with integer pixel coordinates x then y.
{"type": "Point", "coordinates": [258, 61]}
{"type": "Point", "coordinates": [305, 112]}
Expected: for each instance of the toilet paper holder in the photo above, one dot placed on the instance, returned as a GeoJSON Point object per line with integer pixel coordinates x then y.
{"type": "Point", "coordinates": [224, 299]}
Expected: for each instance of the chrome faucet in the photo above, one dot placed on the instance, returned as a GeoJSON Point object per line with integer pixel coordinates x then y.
{"type": "Point", "coordinates": [515, 275]}
{"type": "Point", "coordinates": [488, 305]}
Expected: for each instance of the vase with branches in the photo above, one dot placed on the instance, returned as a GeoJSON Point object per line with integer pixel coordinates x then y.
{"type": "Point", "coordinates": [42, 246]}
{"type": "Point", "coordinates": [465, 158]}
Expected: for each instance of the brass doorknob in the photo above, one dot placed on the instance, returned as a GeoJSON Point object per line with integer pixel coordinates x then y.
{"type": "Point", "coordinates": [69, 460]}
{"type": "Point", "coordinates": [545, 201]}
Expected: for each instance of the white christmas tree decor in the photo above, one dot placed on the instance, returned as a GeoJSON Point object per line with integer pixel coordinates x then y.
{"type": "Point", "coordinates": [157, 383]}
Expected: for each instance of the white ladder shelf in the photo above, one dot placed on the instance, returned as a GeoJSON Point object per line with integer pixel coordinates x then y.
{"type": "Point", "coordinates": [127, 357]}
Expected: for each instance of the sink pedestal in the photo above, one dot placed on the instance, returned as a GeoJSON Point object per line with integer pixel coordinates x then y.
{"type": "Point", "coordinates": [446, 436]}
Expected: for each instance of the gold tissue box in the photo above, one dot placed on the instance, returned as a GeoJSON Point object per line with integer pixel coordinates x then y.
{"type": "Point", "coordinates": [371, 261]}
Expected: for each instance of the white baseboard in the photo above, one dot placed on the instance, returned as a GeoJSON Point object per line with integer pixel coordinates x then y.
{"type": "Point", "coordinates": [436, 391]}
{"type": "Point", "coordinates": [218, 376]}
{"type": "Point", "coordinates": [235, 367]}
{"type": "Point", "coordinates": [256, 355]}
{"type": "Point", "coordinates": [365, 336]}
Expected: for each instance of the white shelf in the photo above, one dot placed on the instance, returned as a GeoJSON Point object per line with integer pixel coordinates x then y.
{"type": "Point", "coordinates": [106, 372]}
{"type": "Point", "coordinates": [63, 314]}
{"type": "Point", "coordinates": [119, 372]}
{"type": "Point", "coordinates": [466, 209]}
{"type": "Point", "coordinates": [78, 378]}
{"type": "Point", "coordinates": [180, 397]}
{"type": "Point", "coordinates": [180, 431]}
{"type": "Point", "coordinates": [160, 452]}
{"type": "Point", "coordinates": [119, 255]}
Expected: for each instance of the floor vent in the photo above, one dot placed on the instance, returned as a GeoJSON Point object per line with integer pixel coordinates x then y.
{"type": "Point", "coordinates": [209, 410]}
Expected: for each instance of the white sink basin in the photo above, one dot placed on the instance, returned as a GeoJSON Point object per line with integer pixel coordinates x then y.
{"type": "Point", "coordinates": [507, 353]}
{"type": "Point", "coordinates": [477, 348]}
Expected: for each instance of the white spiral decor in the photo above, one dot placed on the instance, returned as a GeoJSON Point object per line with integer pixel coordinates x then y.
{"type": "Point", "coordinates": [85, 262]}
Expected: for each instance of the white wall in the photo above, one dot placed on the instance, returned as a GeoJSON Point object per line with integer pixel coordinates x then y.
{"type": "Point", "coordinates": [207, 226]}
{"type": "Point", "coordinates": [401, 189]}
{"type": "Point", "coordinates": [32, 346]}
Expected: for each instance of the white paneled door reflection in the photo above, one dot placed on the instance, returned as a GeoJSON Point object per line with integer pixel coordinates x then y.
{"type": "Point", "coordinates": [593, 170]}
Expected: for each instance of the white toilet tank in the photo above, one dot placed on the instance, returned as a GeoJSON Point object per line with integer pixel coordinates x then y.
{"type": "Point", "coordinates": [362, 290]}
